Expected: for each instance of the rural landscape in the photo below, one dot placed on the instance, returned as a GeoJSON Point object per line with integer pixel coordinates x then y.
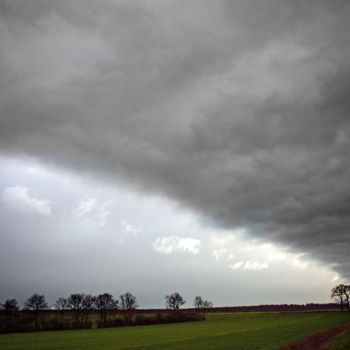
{"type": "Point", "coordinates": [80, 319]}
{"type": "Point", "coordinates": [174, 174]}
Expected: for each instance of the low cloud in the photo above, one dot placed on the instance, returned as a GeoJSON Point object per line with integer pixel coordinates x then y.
{"type": "Point", "coordinates": [243, 118]}
{"type": "Point", "coordinates": [104, 213]}
{"type": "Point", "coordinates": [85, 207]}
{"type": "Point", "coordinates": [248, 265]}
{"type": "Point", "coordinates": [174, 244]}
{"type": "Point", "coordinates": [218, 253]}
{"type": "Point", "coordinates": [130, 228]}
{"type": "Point", "coordinates": [89, 209]}
{"type": "Point", "coordinates": [19, 198]}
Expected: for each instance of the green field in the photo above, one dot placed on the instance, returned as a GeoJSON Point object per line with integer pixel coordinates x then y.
{"type": "Point", "coordinates": [246, 331]}
{"type": "Point", "coordinates": [340, 342]}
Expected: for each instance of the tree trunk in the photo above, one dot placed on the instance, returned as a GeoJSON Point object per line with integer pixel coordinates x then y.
{"type": "Point", "coordinates": [342, 304]}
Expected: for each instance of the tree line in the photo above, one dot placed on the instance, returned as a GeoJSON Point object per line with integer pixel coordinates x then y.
{"type": "Point", "coordinates": [342, 292]}
{"type": "Point", "coordinates": [74, 312]}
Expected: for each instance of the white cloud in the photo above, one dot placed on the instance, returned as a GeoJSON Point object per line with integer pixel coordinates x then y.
{"type": "Point", "coordinates": [223, 240]}
{"type": "Point", "coordinates": [254, 265]}
{"type": "Point", "coordinates": [86, 206]}
{"type": "Point", "coordinates": [103, 214]}
{"type": "Point", "coordinates": [88, 209]}
{"type": "Point", "coordinates": [336, 277]}
{"type": "Point", "coordinates": [298, 263]}
{"type": "Point", "coordinates": [218, 253]}
{"type": "Point", "coordinates": [172, 244]}
{"type": "Point", "coordinates": [236, 266]}
{"type": "Point", "coordinates": [18, 198]}
{"type": "Point", "coordinates": [130, 228]}
{"type": "Point", "coordinates": [248, 265]}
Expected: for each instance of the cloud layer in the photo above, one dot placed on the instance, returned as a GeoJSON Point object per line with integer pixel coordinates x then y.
{"type": "Point", "coordinates": [173, 244]}
{"type": "Point", "coordinates": [239, 110]}
{"type": "Point", "coordinates": [146, 245]}
{"type": "Point", "coordinates": [18, 198]}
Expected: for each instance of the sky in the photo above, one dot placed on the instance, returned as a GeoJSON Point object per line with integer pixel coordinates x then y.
{"type": "Point", "coordinates": [159, 146]}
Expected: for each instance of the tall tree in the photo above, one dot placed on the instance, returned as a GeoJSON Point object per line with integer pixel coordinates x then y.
{"type": "Point", "coordinates": [75, 303]}
{"type": "Point", "coordinates": [347, 294]}
{"type": "Point", "coordinates": [198, 302]}
{"type": "Point", "coordinates": [105, 303]}
{"type": "Point", "coordinates": [11, 307]}
{"type": "Point", "coordinates": [36, 303]}
{"type": "Point", "coordinates": [128, 301]}
{"type": "Point", "coordinates": [128, 304]}
{"type": "Point", "coordinates": [61, 305]}
{"type": "Point", "coordinates": [87, 304]}
{"type": "Point", "coordinates": [174, 301]}
{"type": "Point", "coordinates": [207, 304]}
{"type": "Point", "coordinates": [340, 291]}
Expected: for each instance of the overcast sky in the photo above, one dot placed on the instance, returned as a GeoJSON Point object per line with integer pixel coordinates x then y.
{"type": "Point", "coordinates": [160, 146]}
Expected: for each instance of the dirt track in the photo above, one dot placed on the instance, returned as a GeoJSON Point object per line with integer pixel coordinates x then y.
{"type": "Point", "coordinates": [316, 341]}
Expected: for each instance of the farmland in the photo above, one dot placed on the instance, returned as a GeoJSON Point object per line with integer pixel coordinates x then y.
{"type": "Point", "coordinates": [243, 331]}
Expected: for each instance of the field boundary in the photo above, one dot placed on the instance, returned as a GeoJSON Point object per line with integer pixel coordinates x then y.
{"type": "Point", "coordinates": [316, 341]}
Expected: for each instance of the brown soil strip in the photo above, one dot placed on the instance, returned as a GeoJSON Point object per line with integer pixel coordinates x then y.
{"type": "Point", "coordinates": [315, 341]}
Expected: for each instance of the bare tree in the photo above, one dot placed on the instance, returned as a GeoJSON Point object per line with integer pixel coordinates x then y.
{"type": "Point", "coordinates": [128, 301]}
{"type": "Point", "coordinates": [105, 303]}
{"type": "Point", "coordinates": [36, 303]}
{"type": "Point", "coordinates": [342, 292]}
{"type": "Point", "coordinates": [61, 305]}
{"type": "Point", "coordinates": [75, 303]}
{"type": "Point", "coordinates": [207, 304]}
{"type": "Point", "coordinates": [87, 304]}
{"type": "Point", "coordinates": [198, 302]}
{"type": "Point", "coordinates": [128, 304]}
{"type": "Point", "coordinates": [174, 301]}
{"type": "Point", "coordinates": [347, 293]}
{"type": "Point", "coordinates": [11, 307]}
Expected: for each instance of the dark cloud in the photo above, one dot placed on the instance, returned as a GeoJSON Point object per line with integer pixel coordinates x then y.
{"type": "Point", "coordinates": [239, 110]}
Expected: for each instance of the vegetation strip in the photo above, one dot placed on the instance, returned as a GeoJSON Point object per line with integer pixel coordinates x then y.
{"type": "Point", "coordinates": [339, 342]}
{"type": "Point", "coordinates": [317, 340]}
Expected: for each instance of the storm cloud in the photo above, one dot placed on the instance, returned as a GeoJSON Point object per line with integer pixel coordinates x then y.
{"type": "Point", "coordinates": [238, 110]}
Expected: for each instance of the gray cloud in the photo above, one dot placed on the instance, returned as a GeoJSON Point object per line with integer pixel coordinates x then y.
{"type": "Point", "coordinates": [236, 109]}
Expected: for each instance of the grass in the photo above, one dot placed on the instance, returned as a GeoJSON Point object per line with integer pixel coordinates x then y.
{"type": "Point", "coordinates": [240, 331]}
{"type": "Point", "coordinates": [340, 342]}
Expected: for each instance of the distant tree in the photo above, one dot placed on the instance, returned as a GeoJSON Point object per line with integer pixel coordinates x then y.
{"type": "Point", "coordinates": [174, 301]}
{"type": "Point", "coordinates": [75, 303]}
{"type": "Point", "coordinates": [198, 302]}
{"type": "Point", "coordinates": [128, 304]}
{"type": "Point", "coordinates": [347, 294]}
{"type": "Point", "coordinates": [11, 307]}
{"type": "Point", "coordinates": [207, 304]}
{"type": "Point", "coordinates": [105, 303]}
{"type": "Point", "coordinates": [87, 304]}
{"type": "Point", "coordinates": [36, 303]}
{"type": "Point", "coordinates": [342, 292]}
{"type": "Point", "coordinates": [128, 301]}
{"type": "Point", "coordinates": [61, 305]}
